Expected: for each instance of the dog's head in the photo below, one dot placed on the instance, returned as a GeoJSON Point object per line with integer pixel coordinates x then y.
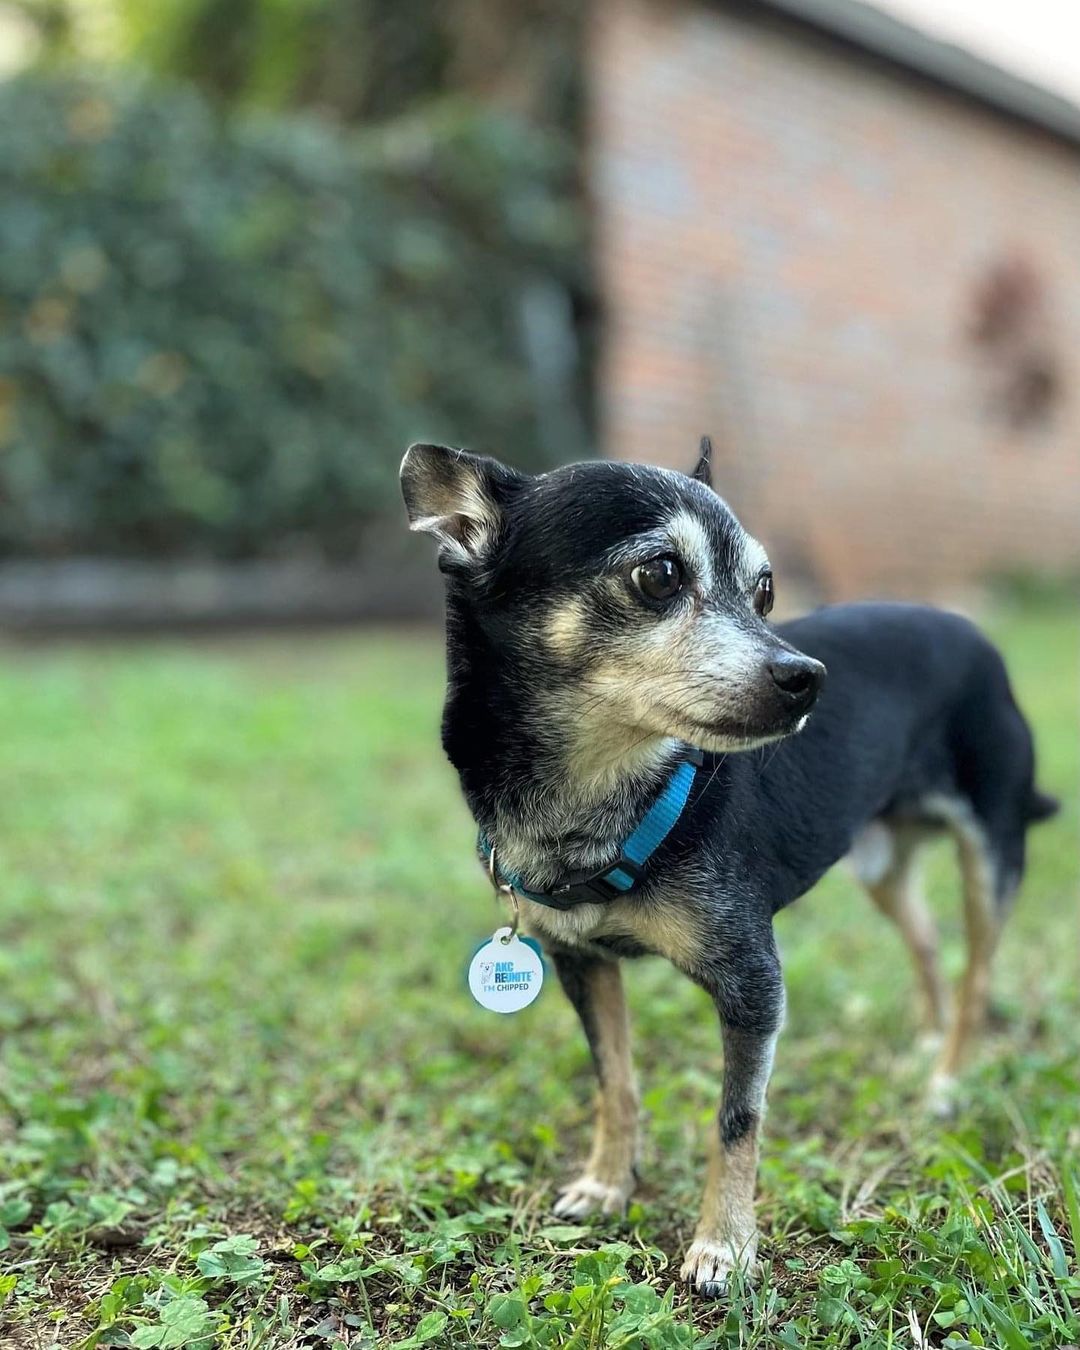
{"type": "Point", "coordinates": [630, 599]}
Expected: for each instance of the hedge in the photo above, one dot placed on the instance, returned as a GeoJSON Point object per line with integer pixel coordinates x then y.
{"type": "Point", "coordinates": [216, 337]}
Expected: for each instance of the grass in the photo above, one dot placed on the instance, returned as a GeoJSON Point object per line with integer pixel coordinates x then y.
{"type": "Point", "coordinates": [247, 1102]}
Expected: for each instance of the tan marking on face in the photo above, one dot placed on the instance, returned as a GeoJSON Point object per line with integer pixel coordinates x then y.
{"type": "Point", "coordinates": [755, 559]}
{"type": "Point", "coordinates": [690, 541]}
{"type": "Point", "coordinates": [566, 626]}
{"type": "Point", "coordinates": [611, 726]}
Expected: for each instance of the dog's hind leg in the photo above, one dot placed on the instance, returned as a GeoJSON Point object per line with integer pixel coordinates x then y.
{"type": "Point", "coordinates": [884, 860]}
{"type": "Point", "coordinates": [594, 987]}
{"type": "Point", "coordinates": [983, 914]}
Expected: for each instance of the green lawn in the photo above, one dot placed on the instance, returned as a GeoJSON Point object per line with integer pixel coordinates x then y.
{"type": "Point", "coordinates": [247, 1101]}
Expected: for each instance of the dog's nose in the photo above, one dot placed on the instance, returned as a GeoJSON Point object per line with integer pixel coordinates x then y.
{"type": "Point", "coordinates": [799, 678]}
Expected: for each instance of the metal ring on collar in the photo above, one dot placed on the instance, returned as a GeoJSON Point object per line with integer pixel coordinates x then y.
{"type": "Point", "coordinates": [504, 888]}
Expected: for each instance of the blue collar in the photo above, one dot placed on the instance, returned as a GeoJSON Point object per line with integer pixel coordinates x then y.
{"type": "Point", "coordinates": [627, 872]}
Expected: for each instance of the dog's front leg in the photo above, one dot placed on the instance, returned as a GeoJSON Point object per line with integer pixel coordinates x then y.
{"type": "Point", "coordinates": [725, 1239]}
{"type": "Point", "coordinates": [594, 987]}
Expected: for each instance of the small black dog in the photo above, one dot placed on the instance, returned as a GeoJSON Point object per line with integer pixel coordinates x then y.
{"type": "Point", "coordinates": [606, 625]}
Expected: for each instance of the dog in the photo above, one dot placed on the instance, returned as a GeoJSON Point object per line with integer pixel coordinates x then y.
{"type": "Point", "coordinates": [654, 768]}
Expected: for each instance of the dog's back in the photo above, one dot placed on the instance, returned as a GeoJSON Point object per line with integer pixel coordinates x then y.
{"type": "Point", "coordinates": [919, 720]}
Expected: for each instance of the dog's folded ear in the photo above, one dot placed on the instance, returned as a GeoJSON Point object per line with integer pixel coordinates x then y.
{"type": "Point", "coordinates": [457, 497]}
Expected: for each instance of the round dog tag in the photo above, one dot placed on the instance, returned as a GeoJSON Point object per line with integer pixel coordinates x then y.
{"type": "Point", "coordinates": [506, 974]}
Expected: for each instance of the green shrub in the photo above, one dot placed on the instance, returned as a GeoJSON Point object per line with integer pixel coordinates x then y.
{"type": "Point", "coordinates": [218, 337]}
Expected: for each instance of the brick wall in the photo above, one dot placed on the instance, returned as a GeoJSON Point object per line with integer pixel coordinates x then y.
{"type": "Point", "coordinates": [790, 236]}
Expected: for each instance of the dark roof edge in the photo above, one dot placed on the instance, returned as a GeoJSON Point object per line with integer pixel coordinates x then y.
{"type": "Point", "coordinates": [879, 33]}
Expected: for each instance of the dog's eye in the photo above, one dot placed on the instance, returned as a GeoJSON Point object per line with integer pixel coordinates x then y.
{"type": "Point", "coordinates": [658, 579]}
{"type": "Point", "coordinates": [764, 594]}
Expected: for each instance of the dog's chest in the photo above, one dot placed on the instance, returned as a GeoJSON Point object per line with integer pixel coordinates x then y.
{"type": "Point", "coordinates": [662, 923]}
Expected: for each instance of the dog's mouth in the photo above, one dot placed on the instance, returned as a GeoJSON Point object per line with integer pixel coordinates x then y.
{"type": "Point", "coordinates": [729, 734]}
{"type": "Point", "coordinates": [774, 704]}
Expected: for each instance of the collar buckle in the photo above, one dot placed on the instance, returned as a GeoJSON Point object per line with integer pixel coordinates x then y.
{"type": "Point", "coordinates": [609, 883]}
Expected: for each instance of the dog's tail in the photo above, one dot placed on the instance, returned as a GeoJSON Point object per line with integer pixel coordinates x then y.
{"type": "Point", "coordinates": [1041, 806]}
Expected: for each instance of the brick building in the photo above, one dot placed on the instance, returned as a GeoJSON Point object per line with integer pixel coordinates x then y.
{"type": "Point", "coordinates": [853, 254]}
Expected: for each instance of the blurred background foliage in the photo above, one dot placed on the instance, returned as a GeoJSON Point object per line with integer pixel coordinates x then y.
{"type": "Point", "coordinates": [250, 248]}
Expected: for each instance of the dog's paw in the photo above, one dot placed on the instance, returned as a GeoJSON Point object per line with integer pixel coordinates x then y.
{"type": "Point", "coordinates": [942, 1097]}
{"type": "Point", "coordinates": [709, 1265]}
{"type": "Point", "coordinates": [929, 1041]}
{"type": "Point", "coordinates": [587, 1195]}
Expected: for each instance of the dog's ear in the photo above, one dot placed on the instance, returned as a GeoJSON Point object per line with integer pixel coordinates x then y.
{"type": "Point", "coordinates": [457, 497]}
{"type": "Point", "coordinates": [703, 469]}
